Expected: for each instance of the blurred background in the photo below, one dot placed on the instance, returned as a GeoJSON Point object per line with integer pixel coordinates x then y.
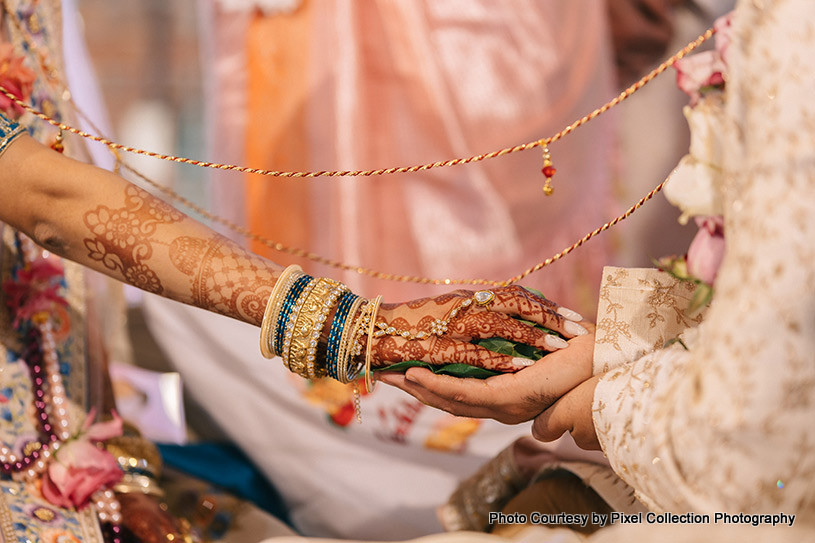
{"type": "Point", "coordinates": [147, 57]}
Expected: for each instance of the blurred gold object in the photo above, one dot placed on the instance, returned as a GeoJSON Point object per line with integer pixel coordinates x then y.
{"type": "Point", "coordinates": [141, 463]}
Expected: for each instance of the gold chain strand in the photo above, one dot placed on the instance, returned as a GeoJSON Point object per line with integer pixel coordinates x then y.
{"type": "Point", "coordinates": [630, 90]}
{"type": "Point", "coordinates": [383, 171]}
{"type": "Point", "coordinates": [587, 237]}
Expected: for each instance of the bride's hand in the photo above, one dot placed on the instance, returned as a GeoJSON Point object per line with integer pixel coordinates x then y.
{"type": "Point", "coordinates": [439, 330]}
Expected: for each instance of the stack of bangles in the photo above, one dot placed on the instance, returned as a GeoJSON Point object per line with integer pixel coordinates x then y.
{"type": "Point", "coordinates": [299, 311]}
{"type": "Point", "coordinates": [303, 309]}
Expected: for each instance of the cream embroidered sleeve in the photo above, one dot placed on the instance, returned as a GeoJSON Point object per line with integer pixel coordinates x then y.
{"type": "Point", "coordinates": [729, 425]}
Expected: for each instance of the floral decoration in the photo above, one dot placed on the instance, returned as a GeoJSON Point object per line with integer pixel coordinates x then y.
{"type": "Point", "coordinates": [80, 467]}
{"type": "Point", "coordinates": [692, 186]}
{"type": "Point", "coordinates": [16, 78]}
{"type": "Point", "coordinates": [705, 72]}
{"type": "Point", "coordinates": [34, 294]}
{"type": "Point", "coordinates": [706, 251]}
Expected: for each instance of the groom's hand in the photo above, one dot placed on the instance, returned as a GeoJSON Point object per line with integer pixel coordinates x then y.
{"type": "Point", "coordinates": [510, 398]}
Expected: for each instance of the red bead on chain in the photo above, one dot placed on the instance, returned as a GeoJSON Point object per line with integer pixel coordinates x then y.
{"type": "Point", "coordinates": [548, 171]}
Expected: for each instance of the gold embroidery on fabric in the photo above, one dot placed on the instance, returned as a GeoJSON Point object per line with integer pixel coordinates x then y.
{"type": "Point", "coordinates": [6, 524]}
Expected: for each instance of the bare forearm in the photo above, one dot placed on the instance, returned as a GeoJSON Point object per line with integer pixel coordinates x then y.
{"type": "Point", "coordinates": [97, 219]}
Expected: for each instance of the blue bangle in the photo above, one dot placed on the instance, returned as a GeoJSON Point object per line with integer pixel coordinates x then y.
{"type": "Point", "coordinates": [335, 334]}
{"type": "Point", "coordinates": [285, 310]}
{"type": "Point", "coordinates": [9, 131]}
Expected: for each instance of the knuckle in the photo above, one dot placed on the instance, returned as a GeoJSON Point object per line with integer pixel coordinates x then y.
{"type": "Point", "coordinates": [554, 318]}
{"type": "Point", "coordinates": [537, 432]}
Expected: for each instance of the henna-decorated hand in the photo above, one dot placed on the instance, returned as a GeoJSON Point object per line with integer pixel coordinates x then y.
{"type": "Point", "coordinates": [467, 316]}
{"type": "Point", "coordinates": [510, 398]}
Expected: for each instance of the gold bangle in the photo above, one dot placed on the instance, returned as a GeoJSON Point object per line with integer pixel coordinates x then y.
{"type": "Point", "coordinates": [289, 333]}
{"type": "Point", "coordinates": [9, 131]}
{"type": "Point", "coordinates": [357, 345]}
{"type": "Point", "coordinates": [328, 302]}
{"type": "Point", "coordinates": [368, 377]}
{"type": "Point", "coordinates": [135, 454]}
{"type": "Point", "coordinates": [143, 484]}
{"type": "Point", "coordinates": [270, 316]}
{"type": "Point", "coordinates": [349, 334]}
{"type": "Point", "coordinates": [310, 316]}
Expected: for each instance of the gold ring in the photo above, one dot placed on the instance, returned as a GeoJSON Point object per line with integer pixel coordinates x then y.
{"type": "Point", "coordinates": [484, 297]}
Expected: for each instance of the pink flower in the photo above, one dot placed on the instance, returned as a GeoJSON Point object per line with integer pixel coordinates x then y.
{"type": "Point", "coordinates": [706, 251]}
{"type": "Point", "coordinates": [702, 72]}
{"type": "Point", "coordinates": [15, 78]}
{"type": "Point", "coordinates": [699, 72]}
{"type": "Point", "coordinates": [80, 467]}
{"type": "Point", "coordinates": [35, 290]}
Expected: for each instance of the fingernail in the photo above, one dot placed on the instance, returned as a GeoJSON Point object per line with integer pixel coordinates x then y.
{"type": "Point", "coordinates": [522, 362]}
{"type": "Point", "coordinates": [410, 377]}
{"type": "Point", "coordinates": [574, 328]}
{"type": "Point", "coordinates": [554, 342]}
{"type": "Point", "coordinates": [569, 314]}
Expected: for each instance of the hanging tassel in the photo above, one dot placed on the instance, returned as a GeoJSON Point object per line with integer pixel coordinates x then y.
{"type": "Point", "coordinates": [548, 172]}
{"type": "Point", "coordinates": [58, 145]}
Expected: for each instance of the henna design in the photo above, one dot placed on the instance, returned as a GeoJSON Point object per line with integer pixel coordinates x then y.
{"type": "Point", "coordinates": [441, 350]}
{"type": "Point", "coordinates": [445, 350]}
{"type": "Point", "coordinates": [425, 322]}
{"type": "Point", "coordinates": [401, 323]}
{"type": "Point", "coordinates": [442, 299]}
{"type": "Point", "coordinates": [122, 238]}
{"type": "Point", "coordinates": [448, 297]}
{"type": "Point", "coordinates": [413, 304]}
{"type": "Point", "coordinates": [225, 277]}
{"type": "Point", "coordinates": [471, 327]}
{"type": "Point", "coordinates": [386, 352]}
{"type": "Point", "coordinates": [476, 326]}
{"type": "Point", "coordinates": [520, 301]}
{"type": "Point", "coordinates": [473, 323]}
{"type": "Point", "coordinates": [186, 254]}
{"type": "Point", "coordinates": [143, 277]}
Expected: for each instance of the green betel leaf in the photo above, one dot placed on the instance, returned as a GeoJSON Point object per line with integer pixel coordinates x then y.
{"type": "Point", "coordinates": [505, 346]}
{"type": "Point", "coordinates": [456, 370]}
{"type": "Point", "coordinates": [535, 292]}
{"type": "Point", "coordinates": [497, 345]}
